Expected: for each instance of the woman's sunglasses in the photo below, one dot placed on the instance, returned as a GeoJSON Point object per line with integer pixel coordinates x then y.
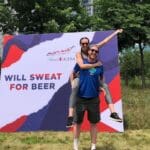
{"type": "Point", "coordinates": [84, 43]}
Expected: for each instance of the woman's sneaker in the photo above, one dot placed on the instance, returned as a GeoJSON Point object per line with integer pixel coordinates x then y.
{"type": "Point", "coordinates": [114, 116]}
{"type": "Point", "coordinates": [69, 122]}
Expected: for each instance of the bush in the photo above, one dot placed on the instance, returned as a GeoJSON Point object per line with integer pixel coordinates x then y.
{"type": "Point", "coordinates": [131, 67]}
{"type": "Point", "coordinates": [135, 82]}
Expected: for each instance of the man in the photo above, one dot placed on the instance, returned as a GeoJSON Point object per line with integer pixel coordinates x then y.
{"type": "Point", "coordinates": [88, 97]}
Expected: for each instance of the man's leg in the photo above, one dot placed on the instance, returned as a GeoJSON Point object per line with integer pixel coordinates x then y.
{"type": "Point", "coordinates": [93, 117]}
{"type": "Point", "coordinates": [76, 136]}
{"type": "Point", "coordinates": [78, 119]}
{"type": "Point", "coordinates": [93, 132]}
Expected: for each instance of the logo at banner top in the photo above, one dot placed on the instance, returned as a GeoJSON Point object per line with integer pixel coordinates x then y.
{"type": "Point", "coordinates": [60, 52]}
{"type": "Point", "coordinates": [61, 55]}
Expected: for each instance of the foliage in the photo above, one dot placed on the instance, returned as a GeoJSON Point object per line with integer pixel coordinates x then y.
{"type": "Point", "coordinates": [7, 19]}
{"type": "Point", "coordinates": [132, 17]}
{"type": "Point", "coordinates": [131, 66]}
{"type": "Point", "coordinates": [38, 16]}
{"type": "Point", "coordinates": [147, 64]}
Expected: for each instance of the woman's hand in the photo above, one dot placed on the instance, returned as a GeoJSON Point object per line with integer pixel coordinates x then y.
{"type": "Point", "coordinates": [119, 30]}
{"type": "Point", "coordinates": [99, 63]}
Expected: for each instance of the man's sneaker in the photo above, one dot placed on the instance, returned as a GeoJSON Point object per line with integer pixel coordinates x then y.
{"type": "Point", "coordinates": [69, 122]}
{"type": "Point", "coordinates": [114, 116]}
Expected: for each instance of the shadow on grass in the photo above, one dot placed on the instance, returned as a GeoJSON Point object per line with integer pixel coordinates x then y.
{"type": "Point", "coordinates": [104, 147]}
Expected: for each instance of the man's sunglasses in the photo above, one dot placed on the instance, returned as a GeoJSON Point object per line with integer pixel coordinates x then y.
{"type": "Point", "coordinates": [93, 50]}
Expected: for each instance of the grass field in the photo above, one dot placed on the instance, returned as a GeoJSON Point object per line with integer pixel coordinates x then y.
{"type": "Point", "coordinates": [129, 140]}
{"type": "Point", "coordinates": [136, 106]}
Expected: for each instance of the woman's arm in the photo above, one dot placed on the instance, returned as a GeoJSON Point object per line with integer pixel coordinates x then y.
{"type": "Point", "coordinates": [72, 76]}
{"type": "Point", "coordinates": [103, 90]}
{"type": "Point", "coordinates": [107, 39]}
{"type": "Point", "coordinates": [79, 61]}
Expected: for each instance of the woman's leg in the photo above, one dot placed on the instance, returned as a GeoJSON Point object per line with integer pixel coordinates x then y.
{"type": "Point", "coordinates": [73, 96]}
{"type": "Point", "coordinates": [72, 101]}
{"type": "Point", "coordinates": [108, 99]}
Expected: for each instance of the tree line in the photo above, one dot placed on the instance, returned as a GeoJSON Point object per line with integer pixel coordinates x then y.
{"type": "Point", "coordinates": [47, 16]}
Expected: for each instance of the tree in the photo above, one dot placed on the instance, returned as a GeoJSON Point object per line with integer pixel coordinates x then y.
{"type": "Point", "coordinates": [39, 16]}
{"type": "Point", "coordinates": [130, 65]}
{"type": "Point", "coordinates": [147, 64]}
{"type": "Point", "coordinates": [132, 16]}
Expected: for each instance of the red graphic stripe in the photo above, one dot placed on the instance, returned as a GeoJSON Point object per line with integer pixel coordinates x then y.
{"type": "Point", "coordinates": [103, 104]}
{"type": "Point", "coordinates": [12, 127]}
{"type": "Point", "coordinates": [13, 56]}
{"type": "Point", "coordinates": [6, 38]}
{"type": "Point", "coordinates": [115, 88]}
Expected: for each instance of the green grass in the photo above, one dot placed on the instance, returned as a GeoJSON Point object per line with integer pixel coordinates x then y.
{"type": "Point", "coordinates": [136, 106]}
{"type": "Point", "coordinates": [129, 140]}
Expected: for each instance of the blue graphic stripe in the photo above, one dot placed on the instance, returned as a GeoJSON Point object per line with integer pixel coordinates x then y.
{"type": "Point", "coordinates": [53, 116]}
